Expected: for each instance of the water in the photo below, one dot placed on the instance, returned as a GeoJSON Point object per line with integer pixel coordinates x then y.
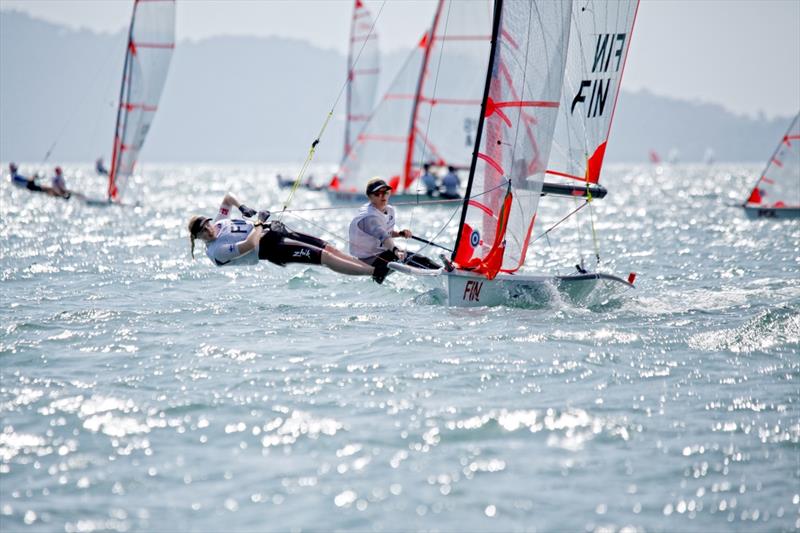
{"type": "Point", "coordinates": [142, 390]}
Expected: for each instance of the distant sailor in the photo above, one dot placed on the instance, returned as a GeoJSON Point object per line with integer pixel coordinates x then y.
{"type": "Point", "coordinates": [451, 184]}
{"type": "Point", "coordinates": [429, 180]}
{"type": "Point", "coordinates": [100, 168]}
{"type": "Point", "coordinates": [22, 181]}
{"type": "Point", "coordinates": [58, 186]}
{"type": "Point", "coordinates": [372, 232]}
{"type": "Point", "coordinates": [233, 242]}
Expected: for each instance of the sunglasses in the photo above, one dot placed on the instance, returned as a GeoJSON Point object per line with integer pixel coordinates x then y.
{"type": "Point", "coordinates": [384, 192]}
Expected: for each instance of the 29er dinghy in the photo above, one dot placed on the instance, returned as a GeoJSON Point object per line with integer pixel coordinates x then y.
{"type": "Point", "coordinates": [429, 112]}
{"type": "Point", "coordinates": [776, 194]}
{"type": "Point", "coordinates": [532, 46]}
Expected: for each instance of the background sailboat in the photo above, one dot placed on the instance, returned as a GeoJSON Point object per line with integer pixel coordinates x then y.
{"type": "Point", "coordinates": [428, 113]}
{"type": "Point", "coordinates": [776, 194]}
{"type": "Point", "coordinates": [151, 41]}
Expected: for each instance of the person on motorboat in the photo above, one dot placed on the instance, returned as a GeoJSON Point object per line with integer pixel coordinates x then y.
{"type": "Point", "coordinates": [372, 232]}
{"type": "Point", "coordinates": [232, 242]}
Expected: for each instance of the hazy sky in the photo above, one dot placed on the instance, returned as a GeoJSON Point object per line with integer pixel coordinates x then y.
{"type": "Point", "coordinates": [743, 54]}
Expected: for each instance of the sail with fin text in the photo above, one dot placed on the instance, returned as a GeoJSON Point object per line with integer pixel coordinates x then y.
{"type": "Point", "coordinates": [600, 37]}
{"type": "Point", "coordinates": [520, 109]}
{"type": "Point", "coordinates": [151, 41]}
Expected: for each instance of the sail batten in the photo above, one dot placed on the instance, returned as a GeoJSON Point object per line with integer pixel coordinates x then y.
{"type": "Point", "coordinates": [151, 40]}
{"type": "Point", "coordinates": [363, 69]}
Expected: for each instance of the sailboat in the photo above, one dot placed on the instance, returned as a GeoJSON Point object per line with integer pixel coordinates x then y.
{"type": "Point", "coordinates": [151, 41]}
{"type": "Point", "coordinates": [511, 169]}
{"type": "Point", "coordinates": [429, 113]}
{"type": "Point", "coordinates": [776, 194]}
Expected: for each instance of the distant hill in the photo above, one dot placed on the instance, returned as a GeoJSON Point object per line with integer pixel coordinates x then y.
{"type": "Point", "coordinates": [246, 99]}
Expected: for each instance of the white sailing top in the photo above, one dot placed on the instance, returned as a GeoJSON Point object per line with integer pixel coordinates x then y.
{"type": "Point", "coordinates": [369, 229]}
{"type": "Point", "coordinates": [230, 232]}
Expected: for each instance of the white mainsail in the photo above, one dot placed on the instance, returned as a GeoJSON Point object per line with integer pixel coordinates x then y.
{"type": "Point", "coordinates": [521, 100]}
{"type": "Point", "coordinates": [430, 107]}
{"type": "Point", "coordinates": [363, 68]}
{"type": "Point", "coordinates": [151, 40]}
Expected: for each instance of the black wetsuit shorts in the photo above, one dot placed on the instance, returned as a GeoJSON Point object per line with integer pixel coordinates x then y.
{"type": "Point", "coordinates": [290, 247]}
{"type": "Point", "coordinates": [31, 186]}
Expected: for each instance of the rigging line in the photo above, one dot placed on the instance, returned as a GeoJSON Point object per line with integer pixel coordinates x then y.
{"type": "Point", "coordinates": [554, 226]}
{"type": "Point", "coordinates": [594, 231]}
{"type": "Point", "coordinates": [316, 141]}
{"type": "Point", "coordinates": [103, 66]}
{"type": "Point", "coordinates": [433, 97]}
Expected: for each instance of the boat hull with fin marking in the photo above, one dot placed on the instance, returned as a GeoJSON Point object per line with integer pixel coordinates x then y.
{"type": "Point", "coordinates": [771, 212]}
{"type": "Point", "coordinates": [465, 289]}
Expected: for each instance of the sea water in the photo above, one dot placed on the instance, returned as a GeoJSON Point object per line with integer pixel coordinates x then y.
{"type": "Point", "coordinates": [146, 391]}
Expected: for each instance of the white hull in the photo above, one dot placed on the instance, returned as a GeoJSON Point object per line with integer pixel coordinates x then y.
{"type": "Point", "coordinates": [771, 212]}
{"type": "Point", "coordinates": [338, 197]}
{"type": "Point", "coordinates": [465, 289]}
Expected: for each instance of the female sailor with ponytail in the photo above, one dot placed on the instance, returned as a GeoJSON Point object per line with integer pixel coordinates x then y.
{"type": "Point", "coordinates": [240, 242]}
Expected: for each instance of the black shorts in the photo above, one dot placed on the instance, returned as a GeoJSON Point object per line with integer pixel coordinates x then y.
{"type": "Point", "coordinates": [31, 186]}
{"type": "Point", "coordinates": [291, 247]}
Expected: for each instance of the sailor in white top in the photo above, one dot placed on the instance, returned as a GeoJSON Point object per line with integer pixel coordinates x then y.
{"type": "Point", "coordinates": [239, 242]}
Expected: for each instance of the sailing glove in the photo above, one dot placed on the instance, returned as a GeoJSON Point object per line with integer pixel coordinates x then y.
{"type": "Point", "coordinates": [247, 211]}
{"type": "Point", "coordinates": [263, 216]}
{"type": "Point", "coordinates": [277, 227]}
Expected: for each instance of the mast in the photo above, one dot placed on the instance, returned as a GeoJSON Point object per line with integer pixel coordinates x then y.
{"type": "Point", "coordinates": [421, 80]}
{"type": "Point", "coordinates": [498, 7]}
{"type": "Point", "coordinates": [112, 174]}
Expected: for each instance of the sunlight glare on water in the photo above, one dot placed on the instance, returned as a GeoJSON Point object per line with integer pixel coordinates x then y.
{"type": "Point", "coordinates": [145, 391]}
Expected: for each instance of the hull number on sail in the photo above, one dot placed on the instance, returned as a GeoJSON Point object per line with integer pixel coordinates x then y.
{"type": "Point", "coordinates": [472, 291]}
{"type": "Point", "coordinates": [609, 45]}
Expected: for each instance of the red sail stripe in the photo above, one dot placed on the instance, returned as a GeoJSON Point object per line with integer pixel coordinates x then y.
{"type": "Point", "coordinates": [564, 175]}
{"type": "Point", "coordinates": [482, 207]}
{"type": "Point", "coordinates": [777, 162]}
{"type": "Point", "coordinates": [387, 138]}
{"type": "Point", "coordinates": [143, 107]}
{"type": "Point", "coordinates": [448, 101]}
{"type": "Point", "coordinates": [367, 38]}
{"type": "Point", "coordinates": [398, 97]}
{"type": "Point", "coordinates": [494, 164]}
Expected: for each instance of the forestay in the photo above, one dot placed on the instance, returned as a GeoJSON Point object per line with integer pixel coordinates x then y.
{"type": "Point", "coordinates": [600, 37]}
{"type": "Point", "coordinates": [779, 185]}
{"type": "Point", "coordinates": [428, 113]}
{"type": "Point", "coordinates": [521, 100]}
{"type": "Point", "coordinates": [363, 68]}
{"type": "Point", "coordinates": [151, 41]}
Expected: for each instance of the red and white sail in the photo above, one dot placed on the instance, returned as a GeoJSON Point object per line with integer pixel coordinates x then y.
{"type": "Point", "coordinates": [521, 102]}
{"type": "Point", "coordinates": [779, 184]}
{"type": "Point", "coordinates": [363, 68]}
{"type": "Point", "coordinates": [151, 41]}
{"type": "Point", "coordinates": [428, 113]}
{"type": "Point", "coordinates": [600, 37]}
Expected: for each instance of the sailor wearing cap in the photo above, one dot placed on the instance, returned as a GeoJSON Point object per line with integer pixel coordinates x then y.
{"type": "Point", "coordinates": [372, 230]}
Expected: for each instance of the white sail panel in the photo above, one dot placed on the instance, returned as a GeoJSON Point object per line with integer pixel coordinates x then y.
{"type": "Point", "coordinates": [522, 99]}
{"type": "Point", "coordinates": [779, 184]}
{"type": "Point", "coordinates": [150, 46]}
{"type": "Point", "coordinates": [599, 40]}
{"type": "Point", "coordinates": [448, 106]}
{"type": "Point", "coordinates": [363, 68]}
{"type": "Point", "coordinates": [379, 148]}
